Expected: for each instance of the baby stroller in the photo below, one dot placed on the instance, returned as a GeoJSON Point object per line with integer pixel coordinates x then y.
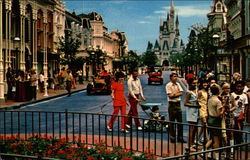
{"type": "Point", "coordinates": [157, 122]}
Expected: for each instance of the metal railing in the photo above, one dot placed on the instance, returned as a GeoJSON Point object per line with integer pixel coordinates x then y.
{"type": "Point", "coordinates": [91, 128]}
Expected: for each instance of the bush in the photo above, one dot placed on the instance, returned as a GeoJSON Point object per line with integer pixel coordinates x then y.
{"type": "Point", "coordinates": [58, 148]}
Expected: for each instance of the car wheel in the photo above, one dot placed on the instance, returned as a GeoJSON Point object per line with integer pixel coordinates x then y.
{"type": "Point", "coordinates": [89, 89]}
{"type": "Point", "coordinates": [149, 82]}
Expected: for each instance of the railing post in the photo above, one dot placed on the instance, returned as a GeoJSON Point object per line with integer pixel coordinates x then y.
{"type": "Point", "coordinates": [66, 124]}
{"type": "Point", "coordinates": [186, 154]}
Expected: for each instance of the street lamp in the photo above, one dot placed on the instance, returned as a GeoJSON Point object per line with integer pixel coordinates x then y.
{"type": "Point", "coordinates": [16, 45]}
{"type": "Point", "coordinates": [216, 39]}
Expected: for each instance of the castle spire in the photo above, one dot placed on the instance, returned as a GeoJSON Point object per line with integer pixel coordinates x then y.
{"type": "Point", "coordinates": [172, 4]}
{"type": "Point", "coordinates": [177, 20]}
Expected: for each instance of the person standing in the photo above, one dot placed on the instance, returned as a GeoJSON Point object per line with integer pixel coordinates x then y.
{"type": "Point", "coordinates": [227, 119]}
{"type": "Point", "coordinates": [192, 111]}
{"type": "Point", "coordinates": [135, 91]}
{"type": "Point", "coordinates": [202, 100]}
{"type": "Point", "coordinates": [119, 102]}
{"type": "Point", "coordinates": [33, 84]}
{"type": "Point", "coordinates": [215, 111]}
{"type": "Point", "coordinates": [9, 76]}
{"type": "Point", "coordinates": [174, 92]}
{"type": "Point", "coordinates": [241, 102]}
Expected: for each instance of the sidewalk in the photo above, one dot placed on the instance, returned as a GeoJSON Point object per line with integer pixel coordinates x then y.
{"type": "Point", "coordinates": [12, 104]}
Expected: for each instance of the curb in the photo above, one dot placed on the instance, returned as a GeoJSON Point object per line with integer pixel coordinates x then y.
{"type": "Point", "coordinates": [17, 106]}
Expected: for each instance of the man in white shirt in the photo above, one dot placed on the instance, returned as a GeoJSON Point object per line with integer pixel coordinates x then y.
{"type": "Point", "coordinates": [135, 91]}
{"type": "Point", "coordinates": [174, 92]}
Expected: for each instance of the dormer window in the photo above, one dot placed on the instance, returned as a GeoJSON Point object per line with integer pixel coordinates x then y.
{"type": "Point", "coordinates": [218, 7]}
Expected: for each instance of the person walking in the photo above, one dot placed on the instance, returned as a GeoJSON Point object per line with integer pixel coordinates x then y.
{"type": "Point", "coordinates": [33, 84]}
{"type": "Point", "coordinates": [41, 82]}
{"type": "Point", "coordinates": [135, 92]}
{"type": "Point", "coordinates": [192, 111]}
{"type": "Point", "coordinates": [174, 92]}
{"type": "Point", "coordinates": [119, 102]}
{"type": "Point", "coordinates": [68, 80]}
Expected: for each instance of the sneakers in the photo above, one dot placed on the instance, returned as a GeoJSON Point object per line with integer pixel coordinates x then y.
{"type": "Point", "coordinates": [128, 126]}
{"type": "Point", "coordinates": [124, 130]}
{"type": "Point", "coordinates": [139, 128]}
{"type": "Point", "coordinates": [109, 129]}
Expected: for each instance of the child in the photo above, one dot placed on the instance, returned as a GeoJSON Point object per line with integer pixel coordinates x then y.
{"type": "Point", "coordinates": [241, 101]}
{"type": "Point", "coordinates": [156, 115]}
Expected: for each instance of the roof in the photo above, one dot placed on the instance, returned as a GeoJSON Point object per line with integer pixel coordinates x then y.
{"type": "Point", "coordinates": [157, 46]}
{"type": "Point", "coordinates": [95, 16]}
{"type": "Point", "coordinates": [165, 45]}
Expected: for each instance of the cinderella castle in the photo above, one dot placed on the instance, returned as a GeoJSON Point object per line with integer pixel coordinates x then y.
{"type": "Point", "coordinates": [169, 39]}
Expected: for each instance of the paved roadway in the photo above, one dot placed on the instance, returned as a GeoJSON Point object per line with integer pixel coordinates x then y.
{"type": "Point", "coordinates": [79, 102]}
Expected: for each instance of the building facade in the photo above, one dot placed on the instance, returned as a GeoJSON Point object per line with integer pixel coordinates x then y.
{"type": "Point", "coordinates": [239, 29]}
{"type": "Point", "coordinates": [28, 30]}
{"type": "Point", "coordinates": [169, 41]}
{"type": "Point", "coordinates": [114, 44]}
{"type": "Point", "coordinates": [217, 25]}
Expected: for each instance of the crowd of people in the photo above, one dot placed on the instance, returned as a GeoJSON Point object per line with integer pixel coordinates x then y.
{"type": "Point", "coordinates": [224, 105]}
{"type": "Point", "coordinates": [64, 79]}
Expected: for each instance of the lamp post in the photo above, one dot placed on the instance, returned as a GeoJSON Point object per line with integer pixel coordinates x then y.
{"type": "Point", "coordinates": [216, 39]}
{"type": "Point", "coordinates": [16, 45]}
{"type": "Point", "coordinates": [93, 58]}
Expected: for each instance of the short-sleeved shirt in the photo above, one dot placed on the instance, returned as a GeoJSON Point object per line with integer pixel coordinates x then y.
{"type": "Point", "coordinates": [241, 101]}
{"type": "Point", "coordinates": [119, 98]}
{"type": "Point", "coordinates": [173, 88]}
{"type": "Point", "coordinates": [214, 104]}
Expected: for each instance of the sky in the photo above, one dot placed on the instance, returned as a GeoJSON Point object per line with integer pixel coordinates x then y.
{"type": "Point", "coordinates": [140, 19]}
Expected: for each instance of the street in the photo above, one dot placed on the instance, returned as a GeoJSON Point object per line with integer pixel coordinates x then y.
{"type": "Point", "coordinates": [81, 102]}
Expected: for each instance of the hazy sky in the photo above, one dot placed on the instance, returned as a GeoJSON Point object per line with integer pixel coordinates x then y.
{"type": "Point", "coordinates": [140, 19]}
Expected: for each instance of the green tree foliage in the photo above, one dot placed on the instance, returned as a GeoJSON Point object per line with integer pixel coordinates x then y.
{"type": "Point", "coordinates": [149, 58]}
{"type": "Point", "coordinates": [177, 59]}
{"type": "Point", "coordinates": [131, 60]}
{"type": "Point", "coordinates": [204, 43]}
{"type": "Point", "coordinates": [68, 48]}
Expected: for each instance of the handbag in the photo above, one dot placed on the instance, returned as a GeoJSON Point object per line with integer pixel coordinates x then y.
{"type": "Point", "coordinates": [13, 89]}
{"type": "Point", "coordinates": [241, 116]}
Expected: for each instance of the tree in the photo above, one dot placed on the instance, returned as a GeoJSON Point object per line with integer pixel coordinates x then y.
{"type": "Point", "coordinates": [131, 61]}
{"type": "Point", "coordinates": [149, 58]}
{"type": "Point", "coordinates": [68, 48]}
{"type": "Point", "coordinates": [204, 44]}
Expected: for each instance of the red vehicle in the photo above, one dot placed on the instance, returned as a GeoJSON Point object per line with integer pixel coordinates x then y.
{"type": "Point", "coordinates": [155, 77]}
{"type": "Point", "coordinates": [101, 84]}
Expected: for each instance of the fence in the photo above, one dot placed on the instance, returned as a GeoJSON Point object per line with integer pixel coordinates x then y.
{"type": "Point", "coordinates": [91, 128]}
